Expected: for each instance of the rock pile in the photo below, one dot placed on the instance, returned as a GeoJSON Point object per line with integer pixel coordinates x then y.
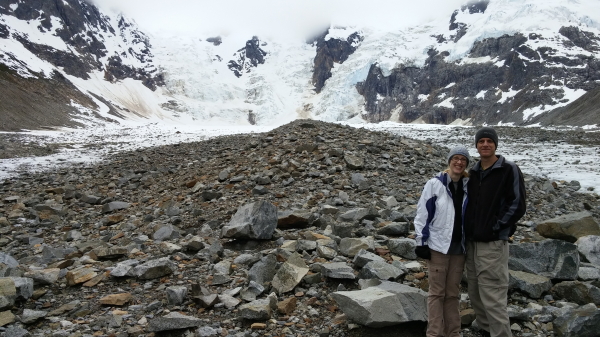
{"type": "Point", "coordinates": [303, 231]}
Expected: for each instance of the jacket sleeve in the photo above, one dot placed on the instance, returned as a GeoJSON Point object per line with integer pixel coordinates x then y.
{"type": "Point", "coordinates": [514, 205]}
{"type": "Point", "coordinates": [425, 212]}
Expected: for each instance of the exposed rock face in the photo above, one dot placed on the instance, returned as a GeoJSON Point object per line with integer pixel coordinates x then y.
{"type": "Point", "coordinates": [331, 51]}
{"type": "Point", "coordinates": [442, 91]}
{"type": "Point", "coordinates": [248, 57]}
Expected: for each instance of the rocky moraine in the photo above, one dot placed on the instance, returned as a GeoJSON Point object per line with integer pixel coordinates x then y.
{"type": "Point", "coordinates": [302, 231]}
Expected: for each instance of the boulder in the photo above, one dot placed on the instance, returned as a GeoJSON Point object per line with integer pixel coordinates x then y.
{"type": "Point", "coordinates": [569, 227]}
{"type": "Point", "coordinates": [531, 284]}
{"type": "Point", "coordinates": [386, 304]}
{"type": "Point", "coordinates": [114, 206]}
{"type": "Point", "coordinates": [589, 247]}
{"type": "Point", "coordinates": [8, 293]}
{"type": "Point", "coordinates": [363, 257]}
{"type": "Point", "coordinates": [403, 247]}
{"type": "Point", "coordinates": [337, 270]}
{"type": "Point", "coordinates": [555, 259]}
{"type": "Point", "coordinates": [578, 292]}
{"type": "Point", "coordinates": [154, 269]}
{"type": "Point", "coordinates": [259, 310]}
{"type": "Point", "coordinates": [381, 270]}
{"type": "Point", "coordinates": [256, 220]}
{"type": "Point", "coordinates": [263, 270]}
{"type": "Point", "coordinates": [583, 321]}
{"type": "Point", "coordinates": [354, 162]}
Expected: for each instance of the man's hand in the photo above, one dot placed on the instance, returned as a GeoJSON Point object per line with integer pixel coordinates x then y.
{"type": "Point", "coordinates": [423, 252]}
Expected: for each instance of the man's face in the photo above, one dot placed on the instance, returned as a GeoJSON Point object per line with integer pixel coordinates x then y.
{"type": "Point", "coordinates": [486, 147]}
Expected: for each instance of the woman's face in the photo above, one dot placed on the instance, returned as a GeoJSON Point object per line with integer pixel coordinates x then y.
{"type": "Point", "coordinates": [458, 164]}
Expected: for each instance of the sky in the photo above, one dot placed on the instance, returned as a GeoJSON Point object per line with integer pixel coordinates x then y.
{"type": "Point", "coordinates": [259, 17]}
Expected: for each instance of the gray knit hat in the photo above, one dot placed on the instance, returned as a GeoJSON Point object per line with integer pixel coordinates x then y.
{"type": "Point", "coordinates": [486, 132]}
{"type": "Point", "coordinates": [459, 150]}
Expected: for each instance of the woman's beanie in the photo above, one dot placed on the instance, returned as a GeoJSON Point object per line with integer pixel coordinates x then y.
{"type": "Point", "coordinates": [486, 132]}
{"type": "Point", "coordinates": [459, 150]}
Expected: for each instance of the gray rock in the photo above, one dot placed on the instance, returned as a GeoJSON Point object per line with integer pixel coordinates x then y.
{"type": "Point", "coordinates": [194, 244]}
{"type": "Point", "coordinates": [569, 227]}
{"type": "Point", "coordinates": [16, 331]}
{"type": "Point", "coordinates": [403, 247]}
{"type": "Point", "coordinates": [256, 220]}
{"type": "Point", "coordinates": [8, 293]}
{"type": "Point", "coordinates": [306, 245]}
{"type": "Point", "coordinates": [363, 257]}
{"type": "Point", "coordinates": [173, 321]}
{"type": "Point", "coordinates": [343, 230]}
{"type": "Point", "coordinates": [589, 247]}
{"type": "Point", "coordinates": [263, 270]}
{"type": "Point", "coordinates": [24, 286]}
{"type": "Point", "coordinates": [210, 195]}
{"type": "Point", "coordinates": [531, 284]}
{"type": "Point", "coordinates": [337, 270]}
{"type": "Point", "coordinates": [154, 269]}
{"type": "Point", "coordinates": [228, 301]}
{"type": "Point", "coordinates": [359, 214]}
{"type": "Point", "coordinates": [371, 306]}
{"type": "Point", "coordinates": [206, 331]}
{"type": "Point", "coordinates": [166, 232]}
{"type": "Point", "coordinates": [394, 229]}
{"type": "Point", "coordinates": [555, 259]}
{"type": "Point", "coordinates": [588, 273]}
{"type": "Point", "coordinates": [176, 294]}
{"type": "Point", "coordinates": [31, 316]}
{"type": "Point", "coordinates": [351, 246]}
{"type": "Point", "coordinates": [258, 310]}
{"type": "Point", "coordinates": [576, 291]}
{"type": "Point", "coordinates": [389, 202]}
{"type": "Point", "coordinates": [124, 268]}
{"type": "Point", "coordinates": [223, 175]}
{"type": "Point", "coordinates": [114, 206]}
{"type": "Point", "coordinates": [260, 190]}
{"type": "Point", "coordinates": [354, 162]}
{"type": "Point", "coordinates": [290, 274]}
{"type": "Point", "coordinates": [357, 179]}
{"type": "Point", "coordinates": [44, 276]}
{"type": "Point", "coordinates": [331, 210]}
{"type": "Point", "coordinates": [583, 321]}
{"type": "Point", "coordinates": [381, 270]}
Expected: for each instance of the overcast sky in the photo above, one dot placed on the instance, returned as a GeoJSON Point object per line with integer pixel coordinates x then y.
{"type": "Point", "coordinates": [299, 17]}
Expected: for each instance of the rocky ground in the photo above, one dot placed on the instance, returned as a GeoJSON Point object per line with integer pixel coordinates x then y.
{"type": "Point", "coordinates": [125, 247]}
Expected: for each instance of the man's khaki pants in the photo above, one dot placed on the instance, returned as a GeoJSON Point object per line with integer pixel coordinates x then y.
{"type": "Point", "coordinates": [487, 277]}
{"type": "Point", "coordinates": [445, 273]}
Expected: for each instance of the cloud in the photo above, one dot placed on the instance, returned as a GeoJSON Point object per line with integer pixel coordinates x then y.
{"type": "Point", "coordinates": [272, 17]}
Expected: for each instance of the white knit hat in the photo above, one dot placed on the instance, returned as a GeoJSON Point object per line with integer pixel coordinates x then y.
{"type": "Point", "coordinates": [459, 150]}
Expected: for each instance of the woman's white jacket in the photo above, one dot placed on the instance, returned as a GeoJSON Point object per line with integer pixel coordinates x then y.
{"type": "Point", "coordinates": [434, 221]}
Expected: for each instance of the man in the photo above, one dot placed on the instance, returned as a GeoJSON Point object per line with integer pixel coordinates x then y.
{"type": "Point", "coordinates": [496, 202]}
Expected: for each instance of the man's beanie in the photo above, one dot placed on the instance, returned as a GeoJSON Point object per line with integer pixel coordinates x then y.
{"type": "Point", "coordinates": [486, 132]}
{"type": "Point", "coordinates": [459, 150]}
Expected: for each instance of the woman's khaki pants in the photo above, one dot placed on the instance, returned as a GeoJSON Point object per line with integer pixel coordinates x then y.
{"type": "Point", "coordinates": [445, 273]}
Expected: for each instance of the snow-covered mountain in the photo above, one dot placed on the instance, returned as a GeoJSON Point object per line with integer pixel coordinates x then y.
{"type": "Point", "coordinates": [64, 62]}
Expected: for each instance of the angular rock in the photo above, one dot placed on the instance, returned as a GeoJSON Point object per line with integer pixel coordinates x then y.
{"type": "Point", "coordinates": [24, 286]}
{"type": "Point", "coordinates": [555, 259]}
{"type": "Point", "coordinates": [363, 257]}
{"type": "Point", "coordinates": [583, 321]}
{"type": "Point", "coordinates": [576, 291]}
{"type": "Point", "coordinates": [154, 269]}
{"type": "Point", "coordinates": [351, 246]}
{"type": "Point", "coordinates": [114, 206]}
{"type": "Point", "coordinates": [394, 229]}
{"type": "Point", "coordinates": [8, 293]}
{"type": "Point", "coordinates": [531, 284]}
{"type": "Point", "coordinates": [79, 275]}
{"type": "Point", "coordinates": [124, 268]}
{"type": "Point", "coordinates": [326, 252]}
{"type": "Point", "coordinates": [290, 274]}
{"type": "Point", "coordinates": [263, 270]}
{"type": "Point", "coordinates": [588, 273]}
{"type": "Point", "coordinates": [116, 299]}
{"type": "Point", "coordinates": [569, 227]}
{"type": "Point", "coordinates": [109, 253]}
{"type": "Point", "coordinates": [166, 232]}
{"type": "Point", "coordinates": [173, 321]}
{"type": "Point", "coordinates": [371, 306]}
{"type": "Point", "coordinates": [381, 270]}
{"type": "Point", "coordinates": [403, 247]}
{"type": "Point", "coordinates": [337, 270]}
{"type": "Point", "coordinates": [44, 276]}
{"type": "Point", "coordinates": [287, 306]}
{"type": "Point", "coordinates": [258, 310]}
{"type": "Point", "coordinates": [31, 316]}
{"type": "Point", "coordinates": [589, 247]}
{"type": "Point", "coordinates": [176, 294]}
{"type": "Point", "coordinates": [6, 317]}
{"type": "Point", "coordinates": [256, 220]}
{"type": "Point", "coordinates": [229, 301]}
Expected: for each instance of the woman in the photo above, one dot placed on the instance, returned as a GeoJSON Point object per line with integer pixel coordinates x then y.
{"type": "Point", "coordinates": [439, 227]}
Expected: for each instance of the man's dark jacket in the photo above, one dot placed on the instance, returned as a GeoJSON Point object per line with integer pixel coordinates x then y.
{"type": "Point", "coordinates": [496, 201]}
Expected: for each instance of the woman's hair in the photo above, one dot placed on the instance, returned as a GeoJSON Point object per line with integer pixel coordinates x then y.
{"type": "Point", "coordinates": [465, 173]}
